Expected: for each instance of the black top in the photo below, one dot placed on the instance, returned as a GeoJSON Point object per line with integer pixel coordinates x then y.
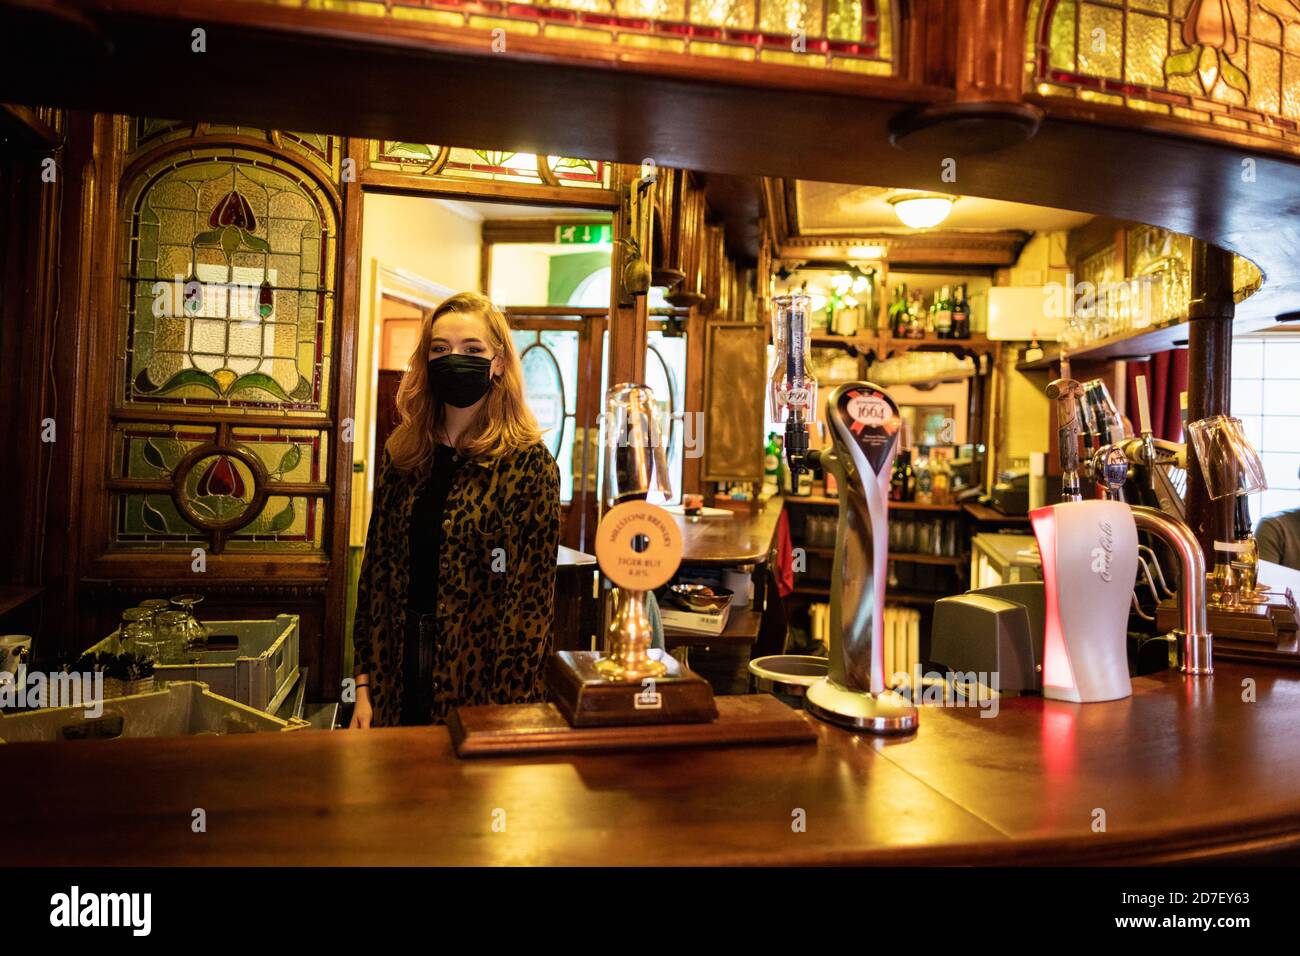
{"type": "Point", "coordinates": [426, 530]}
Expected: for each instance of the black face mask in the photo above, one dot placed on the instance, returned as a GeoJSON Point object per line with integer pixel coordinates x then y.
{"type": "Point", "coordinates": [460, 380]}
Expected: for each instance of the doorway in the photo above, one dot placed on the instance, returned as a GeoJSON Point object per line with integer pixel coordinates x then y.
{"type": "Point", "coordinates": [549, 269]}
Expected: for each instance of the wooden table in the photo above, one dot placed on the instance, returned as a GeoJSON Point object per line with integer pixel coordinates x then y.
{"type": "Point", "coordinates": [1184, 771]}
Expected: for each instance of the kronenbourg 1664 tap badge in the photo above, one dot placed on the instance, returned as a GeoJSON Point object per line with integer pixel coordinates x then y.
{"type": "Point", "coordinates": [870, 409]}
{"type": "Point", "coordinates": [874, 422]}
{"type": "Point", "coordinates": [797, 397]}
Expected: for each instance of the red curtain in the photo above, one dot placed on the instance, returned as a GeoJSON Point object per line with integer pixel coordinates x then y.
{"type": "Point", "coordinates": [1166, 374]}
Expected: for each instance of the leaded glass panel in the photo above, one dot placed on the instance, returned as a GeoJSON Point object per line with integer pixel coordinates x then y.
{"type": "Point", "coordinates": [1231, 63]}
{"type": "Point", "coordinates": [229, 268]}
{"type": "Point", "coordinates": [550, 363]}
{"type": "Point", "coordinates": [852, 35]}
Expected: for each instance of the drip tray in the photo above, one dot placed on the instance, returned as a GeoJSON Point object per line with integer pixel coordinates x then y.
{"type": "Point", "coordinates": [788, 675]}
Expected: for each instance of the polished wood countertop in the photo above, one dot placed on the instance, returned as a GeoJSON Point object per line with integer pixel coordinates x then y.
{"type": "Point", "coordinates": [743, 538]}
{"type": "Point", "coordinates": [1184, 770]}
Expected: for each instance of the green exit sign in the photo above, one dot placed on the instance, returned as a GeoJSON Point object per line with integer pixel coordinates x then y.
{"type": "Point", "coordinates": [584, 234]}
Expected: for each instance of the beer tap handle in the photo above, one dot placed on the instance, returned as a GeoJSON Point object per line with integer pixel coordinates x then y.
{"type": "Point", "coordinates": [793, 387]}
{"type": "Point", "coordinates": [1066, 392]}
{"type": "Point", "coordinates": [1148, 439]}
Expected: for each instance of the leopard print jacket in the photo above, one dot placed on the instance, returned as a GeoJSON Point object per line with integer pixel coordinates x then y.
{"type": "Point", "coordinates": [496, 585]}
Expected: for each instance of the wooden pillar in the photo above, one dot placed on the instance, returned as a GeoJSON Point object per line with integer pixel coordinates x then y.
{"type": "Point", "coordinates": [984, 41]}
{"type": "Point", "coordinates": [629, 315]}
{"type": "Point", "coordinates": [990, 51]}
{"type": "Point", "coordinates": [1209, 382]}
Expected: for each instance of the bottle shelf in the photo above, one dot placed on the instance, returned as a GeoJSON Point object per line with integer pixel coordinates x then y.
{"type": "Point", "coordinates": [1131, 345]}
{"type": "Point", "coordinates": [883, 343]}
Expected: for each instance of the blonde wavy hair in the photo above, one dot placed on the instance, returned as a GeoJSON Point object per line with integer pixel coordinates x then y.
{"type": "Point", "coordinates": [501, 424]}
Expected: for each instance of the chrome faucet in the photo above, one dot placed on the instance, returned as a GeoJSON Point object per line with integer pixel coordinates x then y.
{"type": "Point", "coordinates": [1195, 645]}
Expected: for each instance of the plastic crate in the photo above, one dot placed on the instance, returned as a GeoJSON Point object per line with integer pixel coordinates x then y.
{"type": "Point", "coordinates": [260, 673]}
{"type": "Point", "coordinates": [182, 708]}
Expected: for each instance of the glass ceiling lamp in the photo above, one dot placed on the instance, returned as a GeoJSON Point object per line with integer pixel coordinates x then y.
{"type": "Point", "coordinates": [922, 210]}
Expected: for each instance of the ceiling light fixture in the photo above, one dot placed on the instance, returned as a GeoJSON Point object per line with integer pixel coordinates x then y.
{"type": "Point", "coordinates": [922, 210]}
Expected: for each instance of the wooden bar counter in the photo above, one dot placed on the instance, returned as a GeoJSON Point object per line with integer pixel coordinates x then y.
{"type": "Point", "coordinates": [745, 537]}
{"type": "Point", "coordinates": [1182, 770]}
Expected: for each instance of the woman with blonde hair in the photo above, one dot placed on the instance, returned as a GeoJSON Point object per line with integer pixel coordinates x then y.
{"type": "Point", "coordinates": [456, 602]}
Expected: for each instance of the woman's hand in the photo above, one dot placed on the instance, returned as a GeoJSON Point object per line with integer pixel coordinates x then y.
{"type": "Point", "coordinates": [361, 710]}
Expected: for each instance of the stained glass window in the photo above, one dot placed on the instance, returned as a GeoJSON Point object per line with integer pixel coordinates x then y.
{"type": "Point", "coordinates": [853, 35]}
{"type": "Point", "coordinates": [228, 275]}
{"type": "Point", "coordinates": [226, 320]}
{"type": "Point", "coordinates": [322, 149]}
{"type": "Point", "coordinates": [455, 162]}
{"type": "Point", "coordinates": [1233, 63]}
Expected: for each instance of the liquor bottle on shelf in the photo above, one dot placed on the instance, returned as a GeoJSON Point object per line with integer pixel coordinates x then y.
{"type": "Point", "coordinates": [961, 314]}
{"type": "Point", "coordinates": [943, 314]}
{"type": "Point", "coordinates": [916, 323]}
{"type": "Point", "coordinates": [924, 481]}
{"type": "Point", "coordinates": [898, 477]}
{"type": "Point", "coordinates": [772, 464]}
{"type": "Point", "coordinates": [940, 480]}
{"type": "Point", "coordinates": [898, 317]}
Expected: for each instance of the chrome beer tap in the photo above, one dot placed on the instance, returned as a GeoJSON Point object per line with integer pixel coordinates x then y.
{"type": "Point", "coordinates": [793, 389]}
{"type": "Point", "coordinates": [864, 427]}
{"type": "Point", "coordinates": [637, 464]}
{"type": "Point", "coordinates": [1066, 392]}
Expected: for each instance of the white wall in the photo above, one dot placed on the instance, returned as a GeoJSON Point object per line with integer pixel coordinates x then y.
{"type": "Point", "coordinates": [427, 238]}
{"type": "Point", "coordinates": [1024, 420]}
{"type": "Point", "coordinates": [520, 273]}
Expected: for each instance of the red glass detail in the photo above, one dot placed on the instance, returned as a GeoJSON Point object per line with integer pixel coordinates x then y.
{"type": "Point", "coordinates": [1057, 671]}
{"type": "Point", "coordinates": [871, 33]}
{"type": "Point", "coordinates": [222, 479]}
{"type": "Point", "coordinates": [233, 210]}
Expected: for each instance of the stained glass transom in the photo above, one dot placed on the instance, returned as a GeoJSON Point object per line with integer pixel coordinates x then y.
{"type": "Point", "coordinates": [850, 35]}
{"type": "Point", "coordinates": [1231, 63]}
{"type": "Point", "coordinates": [495, 164]}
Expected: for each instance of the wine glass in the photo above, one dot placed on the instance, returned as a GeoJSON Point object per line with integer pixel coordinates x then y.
{"type": "Point", "coordinates": [1229, 463]}
{"type": "Point", "coordinates": [172, 627]}
{"type": "Point", "coordinates": [138, 633]}
{"type": "Point", "coordinates": [195, 636]}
